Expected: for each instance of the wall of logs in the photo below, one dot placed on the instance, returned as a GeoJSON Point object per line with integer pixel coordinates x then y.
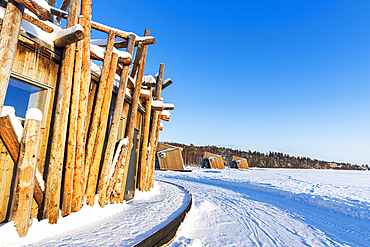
{"type": "Point", "coordinates": [81, 148]}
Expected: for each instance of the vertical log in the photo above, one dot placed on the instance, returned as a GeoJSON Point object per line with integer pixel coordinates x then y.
{"type": "Point", "coordinates": [112, 139]}
{"type": "Point", "coordinates": [151, 178]}
{"type": "Point", "coordinates": [10, 29]}
{"type": "Point", "coordinates": [133, 115]}
{"type": "Point", "coordinates": [143, 153]}
{"type": "Point", "coordinates": [26, 169]}
{"type": "Point", "coordinates": [78, 177]}
{"type": "Point", "coordinates": [72, 134]}
{"type": "Point", "coordinates": [154, 127]}
{"type": "Point", "coordinates": [97, 107]}
{"type": "Point", "coordinates": [99, 142]}
{"type": "Point", "coordinates": [53, 183]}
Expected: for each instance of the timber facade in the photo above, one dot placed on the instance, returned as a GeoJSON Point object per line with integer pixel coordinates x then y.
{"type": "Point", "coordinates": [100, 124]}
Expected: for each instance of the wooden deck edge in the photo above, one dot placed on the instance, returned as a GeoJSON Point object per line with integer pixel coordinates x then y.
{"type": "Point", "coordinates": [166, 234]}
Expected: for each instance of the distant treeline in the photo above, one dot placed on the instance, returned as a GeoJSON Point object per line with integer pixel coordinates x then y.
{"type": "Point", "coordinates": [192, 156]}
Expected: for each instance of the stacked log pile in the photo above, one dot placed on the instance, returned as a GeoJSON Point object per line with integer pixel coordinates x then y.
{"type": "Point", "coordinates": [82, 149]}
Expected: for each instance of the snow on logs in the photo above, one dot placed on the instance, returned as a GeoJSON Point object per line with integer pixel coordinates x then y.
{"type": "Point", "coordinates": [39, 7]}
{"type": "Point", "coordinates": [68, 36]}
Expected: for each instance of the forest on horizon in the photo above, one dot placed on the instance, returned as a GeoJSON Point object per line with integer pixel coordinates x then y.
{"type": "Point", "coordinates": [192, 156]}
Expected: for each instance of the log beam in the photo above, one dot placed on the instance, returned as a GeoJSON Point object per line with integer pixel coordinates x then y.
{"type": "Point", "coordinates": [69, 36]}
{"type": "Point", "coordinates": [42, 11]}
{"type": "Point", "coordinates": [166, 83]}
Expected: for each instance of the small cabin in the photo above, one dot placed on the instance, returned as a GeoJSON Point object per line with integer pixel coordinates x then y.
{"type": "Point", "coordinates": [169, 157]}
{"type": "Point", "coordinates": [238, 163]}
{"type": "Point", "coordinates": [210, 160]}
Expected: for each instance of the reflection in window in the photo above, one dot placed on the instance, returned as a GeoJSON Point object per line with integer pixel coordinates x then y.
{"type": "Point", "coordinates": [23, 96]}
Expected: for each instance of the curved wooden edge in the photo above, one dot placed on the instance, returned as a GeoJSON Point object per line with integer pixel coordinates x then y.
{"type": "Point", "coordinates": [165, 235]}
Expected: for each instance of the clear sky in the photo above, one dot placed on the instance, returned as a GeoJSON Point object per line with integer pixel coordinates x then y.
{"type": "Point", "coordinates": [285, 76]}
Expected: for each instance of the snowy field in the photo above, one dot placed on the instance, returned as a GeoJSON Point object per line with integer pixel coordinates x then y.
{"type": "Point", "coordinates": [274, 207]}
{"type": "Point", "coordinates": [256, 207]}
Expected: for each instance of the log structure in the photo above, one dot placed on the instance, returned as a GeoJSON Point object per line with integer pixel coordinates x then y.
{"type": "Point", "coordinates": [93, 116]}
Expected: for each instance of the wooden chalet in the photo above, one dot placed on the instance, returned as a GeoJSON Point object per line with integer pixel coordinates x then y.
{"type": "Point", "coordinates": [211, 160]}
{"type": "Point", "coordinates": [100, 124]}
{"type": "Point", "coordinates": [169, 157]}
{"type": "Point", "coordinates": [238, 163]}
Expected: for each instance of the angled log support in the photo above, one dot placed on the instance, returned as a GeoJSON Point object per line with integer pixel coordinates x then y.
{"type": "Point", "coordinates": [133, 115]}
{"type": "Point", "coordinates": [99, 142]}
{"type": "Point", "coordinates": [25, 179]}
{"type": "Point", "coordinates": [112, 139]}
{"type": "Point", "coordinates": [166, 83]}
{"type": "Point", "coordinates": [9, 138]}
{"type": "Point", "coordinates": [97, 108]}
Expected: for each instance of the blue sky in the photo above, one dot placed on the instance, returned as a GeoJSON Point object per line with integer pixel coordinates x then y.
{"type": "Point", "coordinates": [283, 76]}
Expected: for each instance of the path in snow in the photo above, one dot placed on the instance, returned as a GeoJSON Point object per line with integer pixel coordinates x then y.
{"type": "Point", "coordinates": [227, 214]}
{"type": "Point", "coordinates": [135, 221]}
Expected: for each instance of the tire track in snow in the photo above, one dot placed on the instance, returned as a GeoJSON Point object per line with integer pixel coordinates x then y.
{"type": "Point", "coordinates": [266, 218]}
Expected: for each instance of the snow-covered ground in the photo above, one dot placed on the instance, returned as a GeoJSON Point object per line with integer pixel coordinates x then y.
{"type": "Point", "coordinates": [115, 224]}
{"type": "Point", "coordinates": [274, 207]}
{"type": "Point", "coordinates": [256, 207]}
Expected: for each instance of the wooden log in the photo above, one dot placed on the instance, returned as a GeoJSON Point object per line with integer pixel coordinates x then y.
{"type": "Point", "coordinates": [54, 176]}
{"type": "Point", "coordinates": [145, 138]}
{"type": "Point", "coordinates": [72, 135]}
{"type": "Point", "coordinates": [112, 139]}
{"type": "Point", "coordinates": [149, 81]}
{"type": "Point", "coordinates": [64, 7]}
{"type": "Point", "coordinates": [11, 143]}
{"type": "Point", "coordinates": [122, 43]}
{"type": "Point", "coordinates": [133, 116]}
{"type": "Point", "coordinates": [31, 19]}
{"type": "Point", "coordinates": [25, 178]}
{"type": "Point", "coordinates": [98, 148]}
{"type": "Point", "coordinates": [165, 116]}
{"type": "Point", "coordinates": [97, 108]}
{"type": "Point", "coordinates": [38, 23]}
{"type": "Point", "coordinates": [9, 137]}
{"type": "Point", "coordinates": [168, 106]}
{"type": "Point", "coordinates": [78, 177]}
{"type": "Point", "coordinates": [106, 29]}
{"type": "Point", "coordinates": [10, 30]}
{"type": "Point", "coordinates": [52, 2]}
{"type": "Point", "coordinates": [135, 65]}
{"type": "Point", "coordinates": [151, 175]}
{"type": "Point", "coordinates": [114, 189]}
{"type": "Point", "coordinates": [69, 35]}
{"type": "Point", "coordinates": [154, 127]}
{"type": "Point", "coordinates": [42, 11]}
{"type": "Point", "coordinates": [166, 83]}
